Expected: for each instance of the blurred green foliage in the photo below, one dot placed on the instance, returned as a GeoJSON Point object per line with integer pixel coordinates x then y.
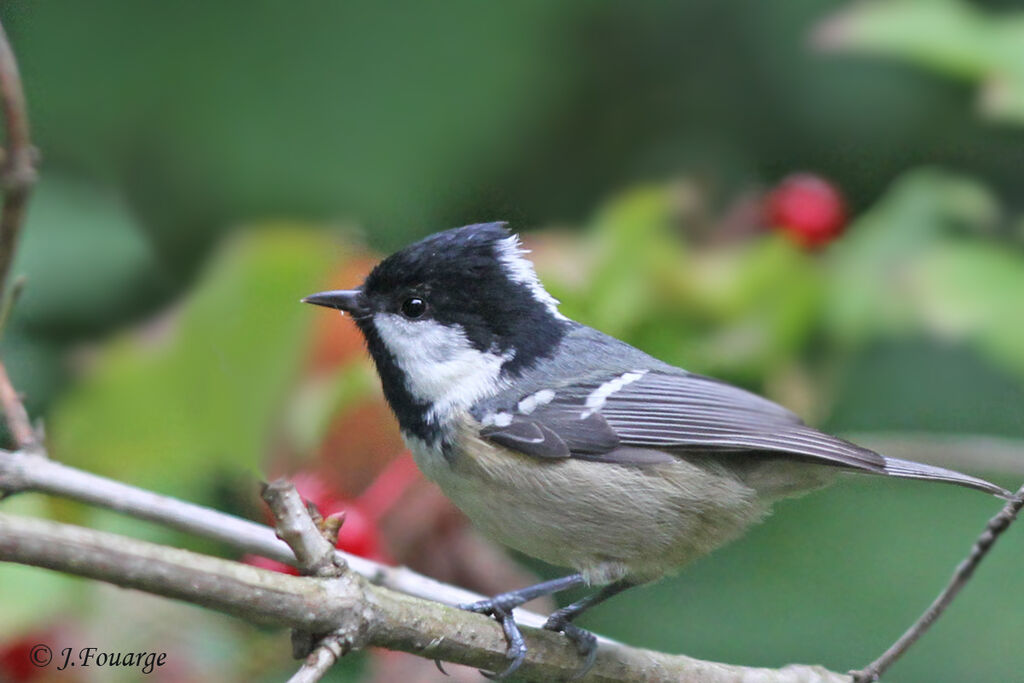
{"type": "Point", "coordinates": [168, 125]}
{"type": "Point", "coordinates": [953, 37]}
{"type": "Point", "coordinates": [198, 394]}
{"type": "Point", "coordinates": [924, 263]}
{"type": "Point", "coordinates": [165, 127]}
{"type": "Point", "coordinates": [739, 309]}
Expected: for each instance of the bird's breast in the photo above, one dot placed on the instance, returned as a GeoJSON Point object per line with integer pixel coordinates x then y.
{"type": "Point", "coordinates": [606, 520]}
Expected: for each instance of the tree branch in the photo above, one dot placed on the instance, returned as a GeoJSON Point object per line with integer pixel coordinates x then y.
{"type": "Point", "coordinates": [31, 471]}
{"type": "Point", "coordinates": [995, 527]}
{"type": "Point", "coordinates": [14, 412]}
{"type": "Point", "coordinates": [314, 554]}
{"type": "Point", "coordinates": [17, 175]}
{"type": "Point", "coordinates": [320, 660]}
{"type": "Point", "coordinates": [25, 471]}
{"type": "Point", "coordinates": [362, 613]}
{"type": "Point", "coordinates": [316, 557]}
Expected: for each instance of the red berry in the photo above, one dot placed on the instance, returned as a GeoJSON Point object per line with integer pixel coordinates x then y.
{"type": "Point", "coordinates": [313, 487]}
{"type": "Point", "coordinates": [25, 658]}
{"type": "Point", "coordinates": [390, 485]}
{"type": "Point", "coordinates": [359, 535]}
{"type": "Point", "coordinates": [267, 563]}
{"type": "Point", "coordinates": [807, 208]}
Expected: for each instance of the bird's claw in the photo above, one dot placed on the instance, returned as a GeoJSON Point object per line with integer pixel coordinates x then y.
{"type": "Point", "coordinates": [500, 607]}
{"type": "Point", "coordinates": [513, 636]}
{"type": "Point", "coordinates": [504, 603]}
{"type": "Point", "coordinates": [585, 642]}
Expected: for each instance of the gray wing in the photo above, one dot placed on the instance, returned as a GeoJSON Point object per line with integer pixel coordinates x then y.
{"type": "Point", "coordinates": [695, 412]}
{"type": "Point", "coordinates": [645, 417]}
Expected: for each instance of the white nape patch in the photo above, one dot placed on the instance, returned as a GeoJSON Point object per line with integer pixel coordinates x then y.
{"type": "Point", "coordinates": [497, 420]}
{"type": "Point", "coordinates": [519, 269]}
{"type": "Point", "coordinates": [440, 364]}
{"type": "Point", "coordinates": [534, 401]}
{"type": "Point", "coordinates": [596, 399]}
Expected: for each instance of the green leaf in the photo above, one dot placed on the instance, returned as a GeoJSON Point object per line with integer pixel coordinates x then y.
{"type": "Point", "coordinates": [951, 37]}
{"type": "Point", "coordinates": [87, 263]}
{"type": "Point", "coordinates": [764, 302]}
{"type": "Point", "coordinates": [632, 234]}
{"type": "Point", "coordinates": [734, 309]}
{"type": "Point", "coordinates": [974, 292]}
{"type": "Point", "coordinates": [167, 408]}
{"type": "Point", "coordinates": [321, 398]}
{"type": "Point", "coordinates": [388, 135]}
{"type": "Point", "coordinates": [868, 292]}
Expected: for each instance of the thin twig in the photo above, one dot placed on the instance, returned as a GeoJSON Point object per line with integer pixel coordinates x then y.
{"type": "Point", "coordinates": [256, 595]}
{"type": "Point", "coordinates": [8, 302]}
{"type": "Point", "coordinates": [362, 613]}
{"type": "Point", "coordinates": [17, 176]}
{"type": "Point", "coordinates": [995, 527]}
{"type": "Point", "coordinates": [25, 471]}
{"type": "Point", "coordinates": [315, 557]}
{"type": "Point", "coordinates": [31, 471]}
{"type": "Point", "coordinates": [320, 660]}
{"type": "Point", "coordinates": [14, 412]}
{"type": "Point", "coordinates": [295, 527]}
{"type": "Point", "coordinates": [18, 173]}
{"type": "Point", "coordinates": [22, 471]}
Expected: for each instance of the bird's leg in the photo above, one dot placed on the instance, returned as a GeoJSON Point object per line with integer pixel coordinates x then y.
{"type": "Point", "coordinates": [506, 602]}
{"type": "Point", "coordinates": [501, 606]}
{"type": "Point", "coordinates": [561, 621]}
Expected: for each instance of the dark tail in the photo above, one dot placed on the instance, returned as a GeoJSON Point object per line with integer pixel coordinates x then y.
{"type": "Point", "coordinates": [907, 469]}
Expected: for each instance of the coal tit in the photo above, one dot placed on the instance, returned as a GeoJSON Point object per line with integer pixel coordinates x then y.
{"type": "Point", "coordinates": [570, 445]}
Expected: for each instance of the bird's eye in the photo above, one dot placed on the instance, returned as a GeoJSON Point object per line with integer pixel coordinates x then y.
{"type": "Point", "coordinates": [414, 307]}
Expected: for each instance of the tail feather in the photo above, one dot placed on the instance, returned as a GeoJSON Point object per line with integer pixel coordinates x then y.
{"type": "Point", "coordinates": [907, 469]}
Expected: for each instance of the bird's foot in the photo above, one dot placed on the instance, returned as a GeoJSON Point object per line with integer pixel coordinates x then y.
{"type": "Point", "coordinates": [500, 607]}
{"type": "Point", "coordinates": [504, 602]}
{"type": "Point", "coordinates": [585, 641]}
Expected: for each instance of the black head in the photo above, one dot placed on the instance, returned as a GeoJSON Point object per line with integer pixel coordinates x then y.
{"type": "Point", "coordinates": [450, 318]}
{"type": "Point", "coordinates": [475, 277]}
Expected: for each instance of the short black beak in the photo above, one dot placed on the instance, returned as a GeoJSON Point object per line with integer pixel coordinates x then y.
{"type": "Point", "coordinates": [351, 301]}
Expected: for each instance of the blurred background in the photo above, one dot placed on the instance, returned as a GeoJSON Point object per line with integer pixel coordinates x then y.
{"type": "Point", "coordinates": [818, 200]}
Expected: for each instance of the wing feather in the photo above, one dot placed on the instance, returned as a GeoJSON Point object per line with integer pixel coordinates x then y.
{"type": "Point", "coordinates": [644, 421]}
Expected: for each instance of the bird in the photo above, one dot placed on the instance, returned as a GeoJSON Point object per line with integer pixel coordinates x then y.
{"type": "Point", "coordinates": [568, 444]}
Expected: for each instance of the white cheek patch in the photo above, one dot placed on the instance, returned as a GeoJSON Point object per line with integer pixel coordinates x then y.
{"type": "Point", "coordinates": [596, 399]}
{"type": "Point", "coordinates": [534, 401]}
{"type": "Point", "coordinates": [519, 269]}
{"type": "Point", "coordinates": [441, 366]}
